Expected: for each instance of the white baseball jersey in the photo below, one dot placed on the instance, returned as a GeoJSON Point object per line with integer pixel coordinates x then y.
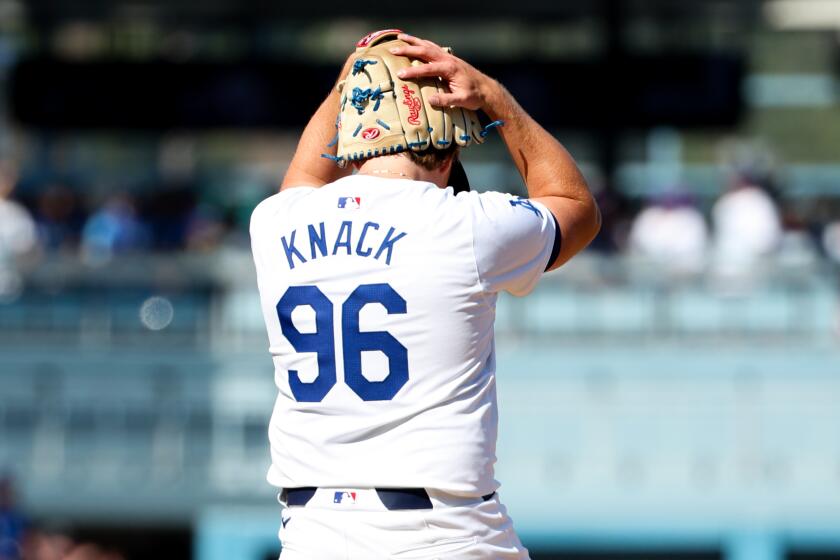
{"type": "Point", "coordinates": [379, 298]}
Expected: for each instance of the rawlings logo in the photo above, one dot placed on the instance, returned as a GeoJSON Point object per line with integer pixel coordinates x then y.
{"type": "Point", "coordinates": [370, 133]}
{"type": "Point", "coordinates": [370, 37]}
{"type": "Point", "coordinates": [413, 104]}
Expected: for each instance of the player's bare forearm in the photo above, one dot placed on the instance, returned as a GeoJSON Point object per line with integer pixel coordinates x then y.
{"type": "Point", "coordinates": [549, 172]}
{"type": "Point", "coordinates": [545, 166]}
{"type": "Point", "coordinates": [308, 167]}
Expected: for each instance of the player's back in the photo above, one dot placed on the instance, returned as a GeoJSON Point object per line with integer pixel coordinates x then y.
{"type": "Point", "coordinates": [380, 325]}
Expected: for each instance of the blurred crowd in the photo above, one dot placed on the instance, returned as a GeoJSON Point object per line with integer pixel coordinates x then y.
{"type": "Point", "coordinates": [57, 217]}
{"type": "Point", "coordinates": [747, 222]}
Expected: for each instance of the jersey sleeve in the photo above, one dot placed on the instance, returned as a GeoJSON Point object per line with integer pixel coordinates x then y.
{"type": "Point", "coordinates": [514, 241]}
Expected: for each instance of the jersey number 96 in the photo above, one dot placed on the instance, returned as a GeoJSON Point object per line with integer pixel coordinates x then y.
{"type": "Point", "coordinates": [354, 342]}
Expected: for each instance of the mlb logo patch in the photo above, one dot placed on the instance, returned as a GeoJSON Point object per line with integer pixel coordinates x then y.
{"type": "Point", "coordinates": [350, 202]}
{"type": "Point", "coordinates": [343, 497]}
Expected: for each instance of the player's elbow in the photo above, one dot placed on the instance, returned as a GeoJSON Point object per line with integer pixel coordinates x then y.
{"type": "Point", "coordinates": [580, 222]}
{"type": "Point", "coordinates": [593, 221]}
{"type": "Point", "coordinates": [589, 217]}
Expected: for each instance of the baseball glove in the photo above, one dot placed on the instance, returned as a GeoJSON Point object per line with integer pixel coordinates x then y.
{"type": "Point", "coordinates": [381, 114]}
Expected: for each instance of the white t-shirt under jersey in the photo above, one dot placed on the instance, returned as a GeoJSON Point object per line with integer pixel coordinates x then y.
{"type": "Point", "coordinates": [379, 298]}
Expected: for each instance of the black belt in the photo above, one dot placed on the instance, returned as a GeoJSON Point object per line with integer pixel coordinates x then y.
{"type": "Point", "coordinates": [392, 498]}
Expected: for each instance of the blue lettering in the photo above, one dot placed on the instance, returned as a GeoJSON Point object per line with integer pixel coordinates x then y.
{"type": "Point", "coordinates": [365, 252]}
{"type": "Point", "coordinates": [343, 231]}
{"type": "Point", "coordinates": [526, 204]}
{"type": "Point", "coordinates": [317, 241]}
{"type": "Point", "coordinates": [289, 249]}
{"type": "Point", "coordinates": [388, 244]}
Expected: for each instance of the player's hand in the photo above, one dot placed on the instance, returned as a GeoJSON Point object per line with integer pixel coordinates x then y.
{"type": "Point", "coordinates": [466, 84]}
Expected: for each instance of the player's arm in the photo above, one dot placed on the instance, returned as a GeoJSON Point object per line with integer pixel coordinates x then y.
{"type": "Point", "coordinates": [550, 174]}
{"type": "Point", "coordinates": [308, 168]}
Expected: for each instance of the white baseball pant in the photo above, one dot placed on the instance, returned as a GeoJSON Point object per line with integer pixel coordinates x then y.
{"type": "Point", "coordinates": [354, 524]}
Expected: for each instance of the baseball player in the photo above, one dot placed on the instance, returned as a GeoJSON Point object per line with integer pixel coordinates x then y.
{"type": "Point", "coordinates": [378, 290]}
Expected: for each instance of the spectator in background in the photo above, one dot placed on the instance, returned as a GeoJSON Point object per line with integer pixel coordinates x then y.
{"type": "Point", "coordinates": [167, 210]}
{"type": "Point", "coordinates": [825, 226]}
{"type": "Point", "coordinates": [616, 213]}
{"type": "Point", "coordinates": [17, 228]}
{"type": "Point", "coordinates": [59, 218]}
{"type": "Point", "coordinates": [746, 226]}
{"type": "Point", "coordinates": [206, 229]}
{"type": "Point", "coordinates": [798, 247]}
{"type": "Point", "coordinates": [46, 545]}
{"type": "Point", "coordinates": [114, 229]}
{"type": "Point", "coordinates": [831, 241]}
{"type": "Point", "coordinates": [672, 232]}
{"type": "Point", "coordinates": [18, 236]}
{"type": "Point", "coordinates": [13, 525]}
